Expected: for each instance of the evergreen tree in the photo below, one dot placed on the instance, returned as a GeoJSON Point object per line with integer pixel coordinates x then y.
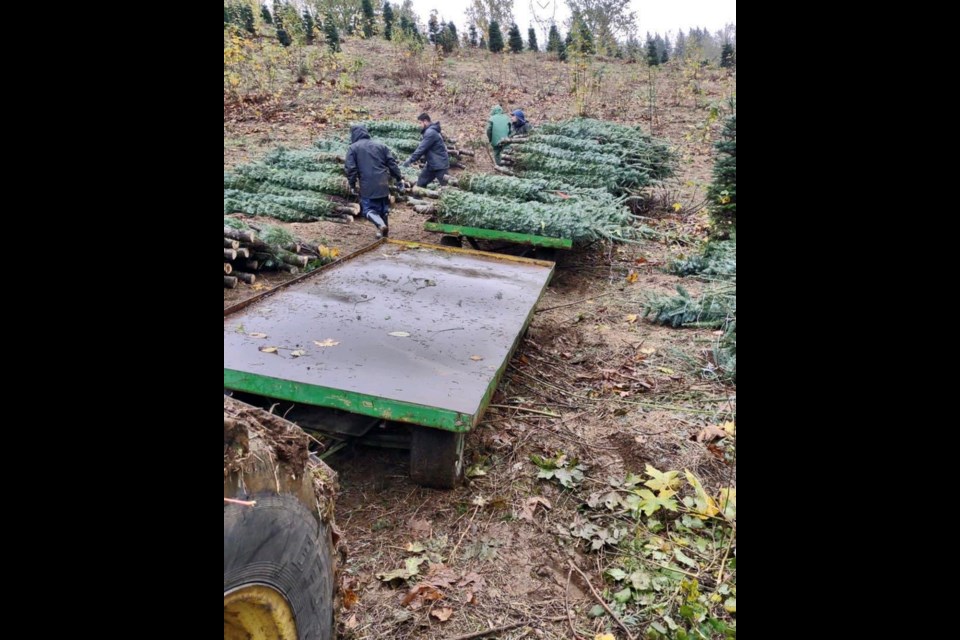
{"type": "Point", "coordinates": [331, 33]}
{"type": "Point", "coordinates": [653, 59]}
{"type": "Point", "coordinates": [473, 36]}
{"type": "Point", "coordinates": [283, 36]}
{"type": "Point", "coordinates": [532, 40]}
{"type": "Point", "coordinates": [727, 56]}
{"type": "Point", "coordinates": [387, 21]}
{"type": "Point", "coordinates": [483, 42]}
{"type": "Point", "coordinates": [665, 54]}
{"type": "Point", "coordinates": [496, 37]}
{"type": "Point", "coordinates": [553, 40]}
{"type": "Point", "coordinates": [308, 26]}
{"type": "Point", "coordinates": [680, 48]}
{"type": "Point", "coordinates": [515, 39]}
{"type": "Point", "coordinates": [265, 14]}
{"type": "Point", "coordinates": [433, 26]}
{"type": "Point", "coordinates": [722, 193]}
{"type": "Point", "coordinates": [452, 36]}
{"type": "Point", "coordinates": [366, 8]}
{"type": "Point", "coordinates": [245, 18]}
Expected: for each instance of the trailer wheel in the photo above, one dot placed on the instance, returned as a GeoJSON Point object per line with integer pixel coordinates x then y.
{"type": "Point", "coordinates": [278, 571]}
{"type": "Point", "coordinates": [436, 458]}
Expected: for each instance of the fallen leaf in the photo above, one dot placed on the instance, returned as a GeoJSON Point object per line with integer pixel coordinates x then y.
{"type": "Point", "coordinates": [729, 427]}
{"type": "Point", "coordinates": [268, 349]}
{"type": "Point", "coordinates": [257, 335]}
{"type": "Point", "coordinates": [632, 277]}
{"type": "Point", "coordinates": [399, 334]}
{"type": "Point", "coordinates": [631, 318]}
{"type": "Point", "coordinates": [259, 287]}
{"type": "Point", "coordinates": [352, 622]}
{"type": "Point", "coordinates": [666, 370]}
{"type": "Point", "coordinates": [648, 351]}
{"type": "Point", "coordinates": [420, 595]}
{"type": "Point", "coordinates": [476, 358]}
{"type": "Point", "coordinates": [350, 598]}
{"type": "Point", "coordinates": [480, 501]}
{"type": "Point", "coordinates": [442, 614]}
{"type": "Point", "coordinates": [411, 567]}
{"type": "Point", "coordinates": [298, 353]}
{"type": "Point", "coordinates": [604, 636]}
{"type": "Point", "coordinates": [470, 598]}
{"type": "Point", "coordinates": [414, 547]}
{"type": "Point", "coordinates": [329, 342]}
{"type": "Point", "coordinates": [473, 578]}
{"type": "Point", "coordinates": [530, 507]}
{"type": "Point", "coordinates": [710, 433]}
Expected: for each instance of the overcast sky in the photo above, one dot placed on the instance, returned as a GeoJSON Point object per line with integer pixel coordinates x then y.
{"type": "Point", "coordinates": [655, 16]}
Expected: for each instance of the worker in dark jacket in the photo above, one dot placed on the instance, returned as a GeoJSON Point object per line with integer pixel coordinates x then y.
{"type": "Point", "coordinates": [373, 164]}
{"type": "Point", "coordinates": [433, 150]}
{"type": "Point", "coordinates": [518, 124]}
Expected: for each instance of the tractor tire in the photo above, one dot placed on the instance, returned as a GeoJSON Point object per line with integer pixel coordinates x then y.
{"type": "Point", "coordinates": [280, 547]}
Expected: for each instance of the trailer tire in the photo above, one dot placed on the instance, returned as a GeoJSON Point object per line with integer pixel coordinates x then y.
{"type": "Point", "coordinates": [436, 457]}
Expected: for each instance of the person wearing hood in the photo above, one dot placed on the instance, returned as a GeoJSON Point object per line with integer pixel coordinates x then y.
{"type": "Point", "coordinates": [373, 164]}
{"type": "Point", "coordinates": [433, 150]}
{"type": "Point", "coordinates": [518, 124]}
{"type": "Point", "coordinates": [498, 128]}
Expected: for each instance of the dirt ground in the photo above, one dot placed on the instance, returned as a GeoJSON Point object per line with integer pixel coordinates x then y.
{"type": "Point", "coordinates": [628, 392]}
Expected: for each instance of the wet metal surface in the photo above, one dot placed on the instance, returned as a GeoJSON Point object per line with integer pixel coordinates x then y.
{"type": "Point", "coordinates": [462, 312]}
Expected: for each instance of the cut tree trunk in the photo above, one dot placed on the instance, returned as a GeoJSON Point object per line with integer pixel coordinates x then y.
{"type": "Point", "coordinates": [246, 278]}
{"type": "Point", "coordinates": [229, 282]}
{"type": "Point", "coordinates": [237, 234]}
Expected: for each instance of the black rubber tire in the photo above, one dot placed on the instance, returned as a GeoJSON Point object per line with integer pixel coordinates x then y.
{"type": "Point", "coordinates": [281, 544]}
{"type": "Point", "coordinates": [436, 458]}
{"type": "Point", "coordinates": [546, 253]}
{"type": "Point", "coordinates": [450, 241]}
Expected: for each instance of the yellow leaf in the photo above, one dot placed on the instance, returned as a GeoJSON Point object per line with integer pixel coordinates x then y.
{"type": "Point", "coordinates": [677, 206]}
{"type": "Point", "coordinates": [476, 358]}
{"type": "Point", "coordinates": [648, 351]}
{"type": "Point", "coordinates": [632, 277]}
{"type": "Point", "coordinates": [631, 318]}
{"type": "Point", "coordinates": [705, 504]}
{"type": "Point", "coordinates": [268, 349]}
{"type": "Point", "coordinates": [729, 427]}
{"type": "Point", "coordinates": [605, 636]}
{"type": "Point", "coordinates": [257, 335]}
{"type": "Point", "coordinates": [329, 342]}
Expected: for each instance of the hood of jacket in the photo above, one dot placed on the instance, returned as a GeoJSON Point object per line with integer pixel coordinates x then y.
{"type": "Point", "coordinates": [358, 132]}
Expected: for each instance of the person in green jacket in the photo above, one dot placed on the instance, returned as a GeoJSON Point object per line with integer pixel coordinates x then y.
{"type": "Point", "coordinates": [498, 128]}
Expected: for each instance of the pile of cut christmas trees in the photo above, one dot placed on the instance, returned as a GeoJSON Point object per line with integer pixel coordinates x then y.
{"type": "Point", "coordinates": [248, 250]}
{"type": "Point", "coordinates": [570, 179]}
{"type": "Point", "coordinates": [305, 185]}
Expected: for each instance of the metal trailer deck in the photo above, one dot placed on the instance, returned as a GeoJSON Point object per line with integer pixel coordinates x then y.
{"type": "Point", "coordinates": [402, 331]}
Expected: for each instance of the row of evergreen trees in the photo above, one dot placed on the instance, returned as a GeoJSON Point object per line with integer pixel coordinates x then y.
{"type": "Point", "coordinates": [443, 35]}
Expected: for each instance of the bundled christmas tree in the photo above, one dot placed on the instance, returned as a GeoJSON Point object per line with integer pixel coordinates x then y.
{"type": "Point", "coordinates": [582, 221]}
